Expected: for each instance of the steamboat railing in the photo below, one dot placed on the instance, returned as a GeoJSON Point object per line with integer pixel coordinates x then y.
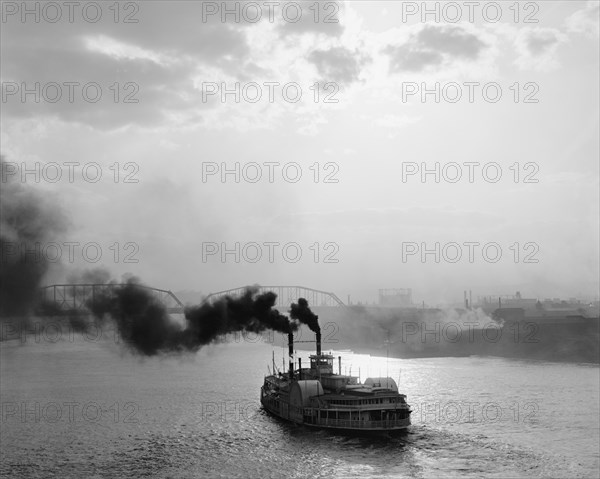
{"type": "Point", "coordinates": [358, 424]}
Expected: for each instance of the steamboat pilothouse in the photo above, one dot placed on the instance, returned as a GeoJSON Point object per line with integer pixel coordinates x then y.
{"type": "Point", "coordinates": [317, 397]}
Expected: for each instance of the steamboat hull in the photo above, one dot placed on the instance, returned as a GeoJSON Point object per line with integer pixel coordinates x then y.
{"type": "Point", "coordinates": [319, 419]}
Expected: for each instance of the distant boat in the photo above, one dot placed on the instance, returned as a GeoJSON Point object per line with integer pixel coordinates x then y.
{"type": "Point", "coordinates": [317, 397]}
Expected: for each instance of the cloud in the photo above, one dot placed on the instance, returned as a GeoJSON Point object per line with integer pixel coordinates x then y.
{"type": "Point", "coordinates": [153, 61]}
{"type": "Point", "coordinates": [338, 64]}
{"type": "Point", "coordinates": [108, 92]}
{"type": "Point", "coordinates": [303, 17]}
{"type": "Point", "coordinates": [451, 40]}
{"type": "Point", "coordinates": [435, 46]}
{"type": "Point", "coordinates": [163, 59]}
{"type": "Point", "coordinates": [119, 50]}
{"type": "Point", "coordinates": [537, 48]}
{"type": "Point", "coordinates": [585, 20]}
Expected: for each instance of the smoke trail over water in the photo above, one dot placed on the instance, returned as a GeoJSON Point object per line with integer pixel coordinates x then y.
{"type": "Point", "coordinates": [28, 220]}
{"type": "Point", "coordinates": [145, 325]}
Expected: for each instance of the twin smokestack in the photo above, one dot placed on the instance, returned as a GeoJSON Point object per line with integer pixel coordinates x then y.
{"type": "Point", "coordinates": [291, 352]}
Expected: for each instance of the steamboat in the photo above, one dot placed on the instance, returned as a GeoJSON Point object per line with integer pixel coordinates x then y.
{"type": "Point", "coordinates": [317, 397]}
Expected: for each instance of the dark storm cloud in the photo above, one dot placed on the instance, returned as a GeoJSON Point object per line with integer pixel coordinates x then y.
{"type": "Point", "coordinates": [338, 64]}
{"type": "Point", "coordinates": [173, 28]}
{"type": "Point", "coordinates": [169, 44]}
{"type": "Point", "coordinates": [433, 46]}
{"type": "Point", "coordinates": [160, 56]}
{"type": "Point", "coordinates": [146, 82]}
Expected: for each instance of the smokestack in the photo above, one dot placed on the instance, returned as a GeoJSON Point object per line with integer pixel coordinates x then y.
{"type": "Point", "coordinates": [299, 368]}
{"type": "Point", "coordinates": [291, 354]}
{"type": "Point", "coordinates": [340, 365]}
{"type": "Point", "coordinates": [318, 333]}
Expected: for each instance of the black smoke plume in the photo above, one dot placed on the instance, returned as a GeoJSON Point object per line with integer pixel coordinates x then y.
{"type": "Point", "coordinates": [302, 313]}
{"type": "Point", "coordinates": [141, 320]}
{"type": "Point", "coordinates": [28, 221]}
{"type": "Point", "coordinates": [146, 327]}
{"type": "Point", "coordinates": [250, 312]}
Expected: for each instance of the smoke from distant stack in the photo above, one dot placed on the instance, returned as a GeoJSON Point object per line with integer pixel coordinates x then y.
{"type": "Point", "coordinates": [302, 313]}
{"type": "Point", "coordinates": [28, 220]}
{"type": "Point", "coordinates": [145, 325]}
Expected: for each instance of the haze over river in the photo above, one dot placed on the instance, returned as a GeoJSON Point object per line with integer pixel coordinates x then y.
{"type": "Point", "coordinates": [90, 409]}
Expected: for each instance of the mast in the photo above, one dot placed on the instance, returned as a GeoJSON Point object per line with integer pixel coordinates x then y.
{"type": "Point", "coordinates": [387, 358]}
{"type": "Point", "coordinates": [291, 355]}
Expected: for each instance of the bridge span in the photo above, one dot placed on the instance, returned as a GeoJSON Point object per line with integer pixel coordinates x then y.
{"type": "Point", "coordinates": [286, 295]}
{"type": "Point", "coordinates": [76, 298]}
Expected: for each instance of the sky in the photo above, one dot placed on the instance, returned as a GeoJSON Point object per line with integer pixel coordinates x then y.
{"type": "Point", "coordinates": [313, 169]}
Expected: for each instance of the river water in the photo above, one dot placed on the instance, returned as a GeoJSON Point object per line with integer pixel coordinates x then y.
{"type": "Point", "coordinates": [79, 408]}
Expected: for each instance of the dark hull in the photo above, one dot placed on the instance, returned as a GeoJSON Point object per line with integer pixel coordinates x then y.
{"type": "Point", "coordinates": [341, 430]}
{"type": "Point", "coordinates": [281, 410]}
